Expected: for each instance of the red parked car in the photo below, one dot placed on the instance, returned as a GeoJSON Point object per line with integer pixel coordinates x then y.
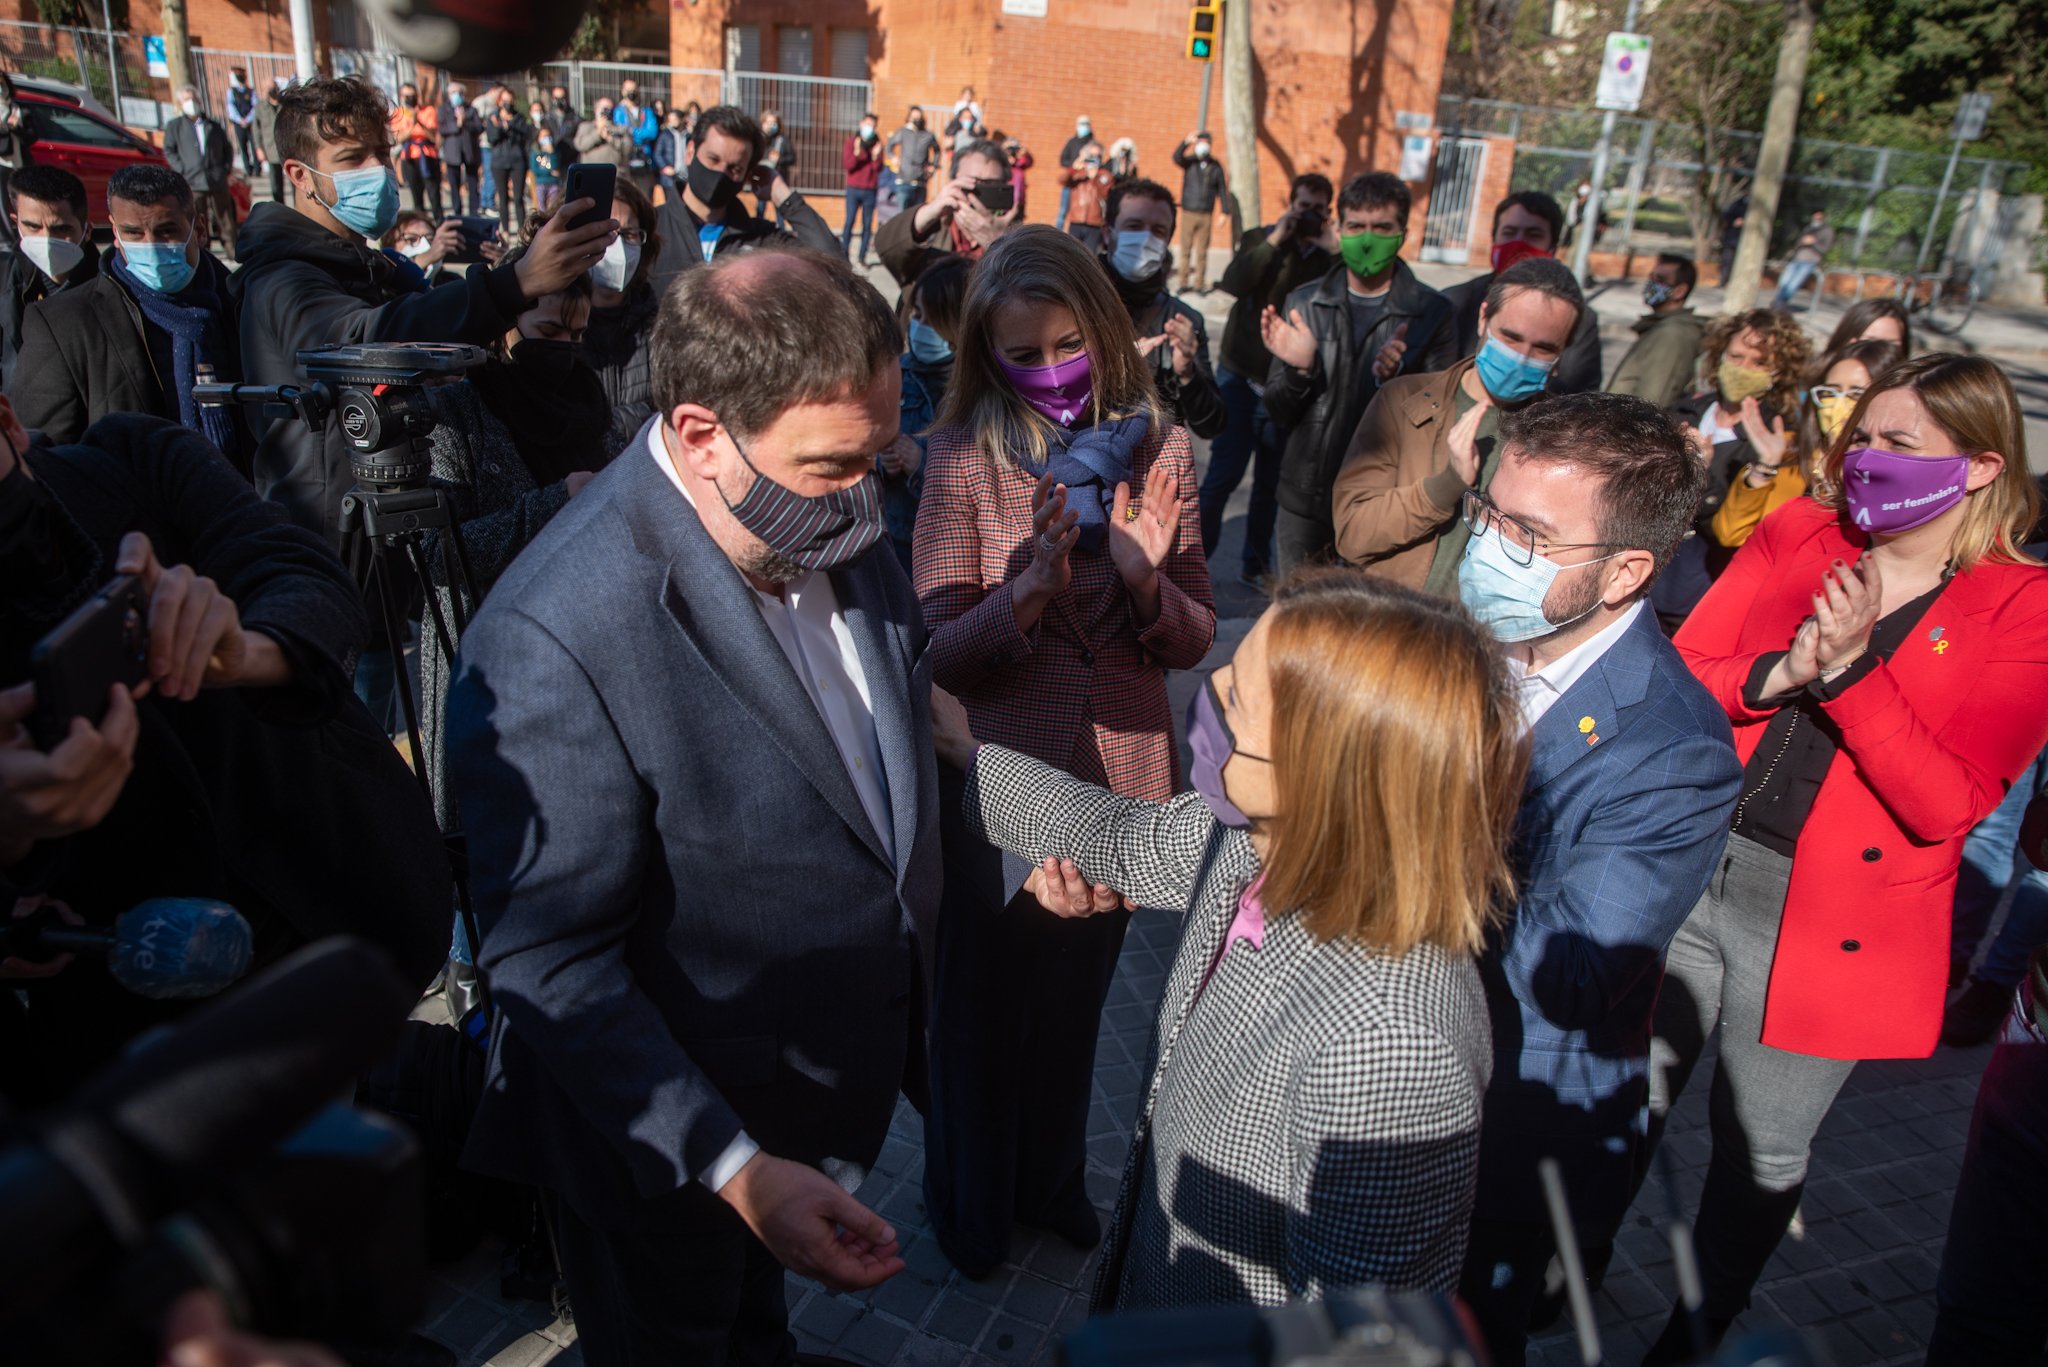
{"type": "Point", "coordinates": [92, 147]}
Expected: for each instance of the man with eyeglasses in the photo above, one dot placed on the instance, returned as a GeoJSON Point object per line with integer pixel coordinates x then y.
{"type": "Point", "coordinates": [1427, 439]}
{"type": "Point", "coordinates": [1632, 778]}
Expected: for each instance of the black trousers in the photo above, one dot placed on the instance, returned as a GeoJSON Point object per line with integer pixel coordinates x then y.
{"type": "Point", "coordinates": [245, 144]}
{"type": "Point", "coordinates": [1015, 1010]}
{"type": "Point", "coordinates": [511, 181]}
{"type": "Point", "coordinates": [1505, 1281]}
{"type": "Point", "coordinates": [462, 187]}
{"type": "Point", "coordinates": [423, 177]}
{"type": "Point", "coordinates": [707, 1293]}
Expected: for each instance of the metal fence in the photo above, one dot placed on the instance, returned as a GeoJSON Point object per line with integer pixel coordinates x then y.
{"type": "Point", "coordinates": [1672, 182]}
{"type": "Point", "coordinates": [817, 112]}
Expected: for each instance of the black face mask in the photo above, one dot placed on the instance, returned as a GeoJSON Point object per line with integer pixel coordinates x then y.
{"type": "Point", "coordinates": [547, 360]}
{"type": "Point", "coordinates": [714, 188]}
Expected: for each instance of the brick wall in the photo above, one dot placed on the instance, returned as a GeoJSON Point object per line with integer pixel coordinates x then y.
{"type": "Point", "coordinates": [238, 25]}
{"type": "Point", "coordinates": [1328, 78]}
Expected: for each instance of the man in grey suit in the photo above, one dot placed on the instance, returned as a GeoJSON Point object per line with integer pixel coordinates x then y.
{"type": "Point", "coordinates": [691, 741]}
{"type": "Point", "coordinates": [198, 149]}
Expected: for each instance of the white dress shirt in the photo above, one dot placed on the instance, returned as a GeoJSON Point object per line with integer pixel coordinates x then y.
{"type": "Point", "coordinates": [806, 622]}
{"type": "Point", "coordinates": [1539, 689]}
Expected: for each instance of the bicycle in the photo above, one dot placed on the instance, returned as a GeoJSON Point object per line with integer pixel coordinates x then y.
{"type": "Point", "coordinates": [1948, 300]}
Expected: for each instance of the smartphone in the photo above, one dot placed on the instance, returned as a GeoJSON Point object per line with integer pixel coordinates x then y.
{"type": "Point", "coordinates": [105, 642]}
{"type": "Point", "coordinates": [594, 181]}
{"type": "Point", "coordinates": [997, 196]}
{"type": "Point", "coordinates": [476, 229]}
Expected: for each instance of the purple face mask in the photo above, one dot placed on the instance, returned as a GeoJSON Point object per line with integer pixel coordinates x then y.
{"type": "Point", "coordinates": [1210, 739]}
{"type": "Point", "coordinates": [1059, 391]}
{"type": "Point", "coordinates": [1888, 492]}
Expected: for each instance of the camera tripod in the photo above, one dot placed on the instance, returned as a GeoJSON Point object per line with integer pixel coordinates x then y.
{"type": "Point", "coordinates": [376, 395]}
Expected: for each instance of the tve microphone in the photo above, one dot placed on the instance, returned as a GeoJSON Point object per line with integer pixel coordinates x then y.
{"type": "Point", "coordinates": [170, 948]}
{"type": "Point", "coordinates": [181, 1117]}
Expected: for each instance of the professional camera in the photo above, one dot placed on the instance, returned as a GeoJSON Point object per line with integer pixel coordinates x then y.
{"type": "Point", "coordinates": [377, 394]}
{"type": "Point", "coordinates": [213, 1156]}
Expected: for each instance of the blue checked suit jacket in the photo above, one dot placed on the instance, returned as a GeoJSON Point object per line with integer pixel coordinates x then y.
{"type": "Point", "coordinates": [1621, 824]}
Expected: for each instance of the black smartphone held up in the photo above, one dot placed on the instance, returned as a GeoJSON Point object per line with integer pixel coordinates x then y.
{"type": "Point", "coordinates": [997, 196]}
{"type": "Point", "coordinates": [476, 229]}
{"type": "Point", "coordinates": [594, 181]}
{"type": "Point", "coordinates": [105, 642]}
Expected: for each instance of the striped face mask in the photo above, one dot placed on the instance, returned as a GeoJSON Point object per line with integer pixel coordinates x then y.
{"type": "Point", "coordinates": [820, 532]}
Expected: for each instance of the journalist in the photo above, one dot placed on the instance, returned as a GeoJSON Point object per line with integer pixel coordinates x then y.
{"type": "Point", "coordinates": [309, 280]}
{"type": "Point", "coordinates": [253, 626]}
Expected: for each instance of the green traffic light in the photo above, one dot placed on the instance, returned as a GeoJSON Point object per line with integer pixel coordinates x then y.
{"type": "Point", "coordinates": [1200, 48]}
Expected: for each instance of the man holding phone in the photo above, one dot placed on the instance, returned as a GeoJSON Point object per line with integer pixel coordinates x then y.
{"type": "Point", "coordinates": [973, 209]}
{"type": "Point", "coordinates": [708, 220]}
{"type": "Point", "coordinates": [308, 279]}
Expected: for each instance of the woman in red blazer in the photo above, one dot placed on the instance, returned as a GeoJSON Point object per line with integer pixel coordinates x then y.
{"type": "Point", "coordinates": [1882, 650]}
{"type": "Point", "coordinates": [1058, 595]}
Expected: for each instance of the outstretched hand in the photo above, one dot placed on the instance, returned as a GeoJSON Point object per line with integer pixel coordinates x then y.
{"type": "Point", "coordinates": [811, 1225]}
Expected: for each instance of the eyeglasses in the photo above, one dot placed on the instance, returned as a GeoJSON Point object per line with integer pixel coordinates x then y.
{"type": "Point", "coordinates": [1520, 541]}
{"type": "Point", "coordinates": [1822, 392]}
{"type": "Point", "coordinates": [632, 235]}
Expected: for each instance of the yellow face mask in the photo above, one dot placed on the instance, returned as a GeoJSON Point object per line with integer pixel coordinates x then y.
{"type": "Point", "coordinates": [1739, 382]}
{"type": "Point", "coordinates": [1833, 411]}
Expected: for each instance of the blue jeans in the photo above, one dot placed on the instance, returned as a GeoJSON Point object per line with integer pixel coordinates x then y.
{"type": "Point", "coordinates": [1066, 198]}
{"type": "Point", "coordinates": [1990, 1307]}
{"type": "Point", "coordinates": [1991, 863]}
{"type": "Point", "coordinates": [487, 192]}
{"type": "Point", "coordinates": [1797, 273]}
{"type": "Point", "coordinates": [1248, 440]}
{"type": "Point", "coordinates": [858, 202]}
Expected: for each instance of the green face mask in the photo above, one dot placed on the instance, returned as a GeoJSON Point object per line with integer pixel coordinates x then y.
{"type": "Point", "coordinates": [1367, 254]}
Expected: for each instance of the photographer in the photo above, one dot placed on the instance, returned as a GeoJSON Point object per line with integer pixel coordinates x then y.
{"type": "Point", "coordinates": [308, 279]}
{"type": "Point", "coordinates": [252, 631]}
{"type": "Point", "coordinates": [968, 213]}
{"type": "Point", "coordinates": [707, 218]}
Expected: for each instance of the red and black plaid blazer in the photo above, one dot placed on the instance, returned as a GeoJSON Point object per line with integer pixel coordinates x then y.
{"type": "Point", "coordinates": [1085, 689]}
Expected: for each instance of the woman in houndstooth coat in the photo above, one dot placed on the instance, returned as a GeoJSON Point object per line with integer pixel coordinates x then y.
{"type": "Point", "coordinates": [1058, 559]}
{"type": "Point", "coordinates": [1312, 1116]}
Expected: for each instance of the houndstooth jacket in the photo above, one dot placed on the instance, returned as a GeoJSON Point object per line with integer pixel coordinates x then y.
{"type": "Point", "coordinates": [1312, 1119]}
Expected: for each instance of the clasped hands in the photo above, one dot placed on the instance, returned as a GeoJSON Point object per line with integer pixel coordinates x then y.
{"type": "Point", "coordinates": [1058, 884]}
{"type": "Point", "coordinates": [1845, 608]}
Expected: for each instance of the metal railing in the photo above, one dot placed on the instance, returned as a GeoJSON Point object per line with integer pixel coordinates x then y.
{"type": "Point", "coordinates": [1674, 181]}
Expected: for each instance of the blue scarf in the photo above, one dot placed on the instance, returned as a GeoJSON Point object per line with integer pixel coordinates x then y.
{"type": "Point", "coordinates": [194, 318]}
{"type": "Point", "coordinates": [1091, 462]}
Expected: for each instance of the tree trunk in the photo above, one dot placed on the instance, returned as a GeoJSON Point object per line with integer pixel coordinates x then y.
{"type": "Point", "coordinates": [1240, 119]}
{"type": "Point", "coordinates": [177, 45]}
{"type": "Point", "coordinates": [1781, 125]}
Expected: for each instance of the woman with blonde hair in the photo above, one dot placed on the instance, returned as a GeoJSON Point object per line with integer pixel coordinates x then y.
{"type": "Point", "coordinates": [1882, 650]}
{"type": "Point", "coordinates": [1754, 363]}
{"type": "Point", "coordinates": [1059, 563]}
{"type": "Point", "coordinates": [1311, 1120]}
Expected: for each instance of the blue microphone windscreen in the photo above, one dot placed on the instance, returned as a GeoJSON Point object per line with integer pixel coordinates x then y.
{"type": "Point", "coordinates": [180, 948]}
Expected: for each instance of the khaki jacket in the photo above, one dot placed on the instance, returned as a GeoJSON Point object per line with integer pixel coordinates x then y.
{"type": "Point", "coordinates": [1396, 493]}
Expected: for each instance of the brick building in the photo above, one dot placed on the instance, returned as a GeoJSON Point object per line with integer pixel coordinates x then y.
{"type": "Point", "coordinates": [1329, 76]}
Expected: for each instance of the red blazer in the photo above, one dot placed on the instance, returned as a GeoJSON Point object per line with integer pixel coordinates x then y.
{"type": "Point", "coordinates": [1930, 742]}
{"type": "Point", "coordinates": [1085, 690]}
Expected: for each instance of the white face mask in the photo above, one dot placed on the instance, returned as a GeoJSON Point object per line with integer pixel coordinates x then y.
{"type": "Point", "coordinates": [617, 266]}
{"type": "Point", "coordinates": [1137, 254]}
{"type": "Point", "coordinates": [191, 108]}
{"type": "Point", "coordinates": [418, 248]}
{"type": "Point", "coordinates": [53, 256]}
{"type": "Point", "coordinates": [1201, 149]}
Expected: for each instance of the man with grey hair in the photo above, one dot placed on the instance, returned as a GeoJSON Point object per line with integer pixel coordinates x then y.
{"type": "Point", "coordinates": [690, 736]}
{"type": "Point", "coordinates": [198, 149]}
{"type": "Point", "coordinates": [1427, 439]}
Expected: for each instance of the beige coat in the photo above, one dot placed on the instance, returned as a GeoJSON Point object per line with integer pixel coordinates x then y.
{"type": "Point", "coordinates": [1396, 493]}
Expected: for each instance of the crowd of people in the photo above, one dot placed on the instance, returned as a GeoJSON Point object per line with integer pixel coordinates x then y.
{"type": "Point", "coordinates": [1592, 715]}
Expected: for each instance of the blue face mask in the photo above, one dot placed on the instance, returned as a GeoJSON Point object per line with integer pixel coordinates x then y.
{"type": "Point", "coordinates": [159, 266]}
{"type": "Point", "coordinates": [1508, 375]}
{"type": "Point", "coordinates": [926, 345]}
{"type": "Point", "coordinates": [1506, 596]}
{"type": "Point", "coordinates": [365, 200]}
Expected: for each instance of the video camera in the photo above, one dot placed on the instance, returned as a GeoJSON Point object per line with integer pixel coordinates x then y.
{"type": "Point", "coordinates": [214, 1157]}
{"type": "Point", "coordinates": [378, 395]}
